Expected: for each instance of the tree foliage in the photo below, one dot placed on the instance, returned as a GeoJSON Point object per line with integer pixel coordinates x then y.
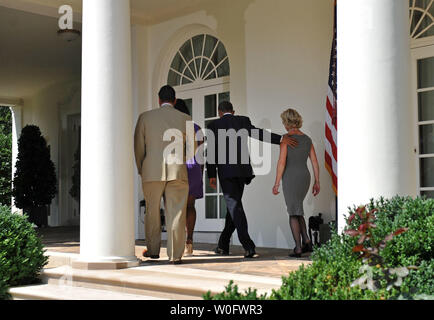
{"type": "Point", "coordinates": [35, 182]}
{"type": "Point", "coordinates": [5, 156]}
{"type": "Point", "coordinates": [75, 189]}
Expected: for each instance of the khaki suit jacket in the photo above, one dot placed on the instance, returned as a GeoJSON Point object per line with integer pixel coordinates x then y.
{"type": "Point", "coordinates": [150, 147]}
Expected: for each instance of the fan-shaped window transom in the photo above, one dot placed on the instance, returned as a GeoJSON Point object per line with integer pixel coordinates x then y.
{"type": "Point", "coordinates": [200, 58]}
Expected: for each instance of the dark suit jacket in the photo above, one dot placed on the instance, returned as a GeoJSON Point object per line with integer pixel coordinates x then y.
{"type": "Point", "coordinates": [238, 169]}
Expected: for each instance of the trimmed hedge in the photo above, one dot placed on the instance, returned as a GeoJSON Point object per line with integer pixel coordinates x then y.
{"type": "Point", "coordinates": [21, 250]}
{"type": "Point", "coordinates": [335, 266]}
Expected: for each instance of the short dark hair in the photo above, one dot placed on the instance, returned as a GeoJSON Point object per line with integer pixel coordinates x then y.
{"type": "Point", "coordinates": [167, 94]}
{"type": "Point", "coordinates": [181, 106]}
{"type": "Point", "coordinates": [226, 106]}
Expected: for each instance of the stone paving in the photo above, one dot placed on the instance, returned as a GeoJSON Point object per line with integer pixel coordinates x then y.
{"type": "Point", "coordinates": [270, 263]}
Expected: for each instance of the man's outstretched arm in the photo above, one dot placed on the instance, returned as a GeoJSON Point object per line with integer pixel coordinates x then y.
{"type": "Point", "coordinates": [269, 137]}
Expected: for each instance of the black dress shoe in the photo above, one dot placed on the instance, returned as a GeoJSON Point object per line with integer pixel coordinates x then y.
{"type": "Point", "coordinates": [221, 251]}
{"type": "Point", "coordinates": [250, 254]}
{"type": "Point", "coordinates": [146, 254]}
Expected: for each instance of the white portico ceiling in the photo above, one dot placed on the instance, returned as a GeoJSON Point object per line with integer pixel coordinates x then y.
{"type": "Point", "coordinates": [33, 57]}
{"type": "Point", "coordinates": [143, 11]}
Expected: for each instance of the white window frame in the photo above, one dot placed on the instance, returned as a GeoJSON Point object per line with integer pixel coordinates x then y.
{"type": "Point", "coordinates": [418, 54]}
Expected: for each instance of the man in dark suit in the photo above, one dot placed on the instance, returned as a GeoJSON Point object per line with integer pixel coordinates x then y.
{"type": "Point", "coordinates": [231, 160]}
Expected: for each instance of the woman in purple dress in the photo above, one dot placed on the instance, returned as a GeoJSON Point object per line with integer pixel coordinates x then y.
{"type": "Point", "coordinates": [195, 181]}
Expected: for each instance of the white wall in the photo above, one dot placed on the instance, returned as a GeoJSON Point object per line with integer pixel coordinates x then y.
{"type": "Point", "coordinates": [43, 110]}
{"type": "Point", "coordinates": [287, 64]}
{"type": "Point", "coordinates": [279, 53]}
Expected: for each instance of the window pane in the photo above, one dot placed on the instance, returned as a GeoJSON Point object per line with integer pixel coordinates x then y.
{"type": "Point", "coordinates": [425, 73]}
{"type": "Point", "coordinates": [223, 69]}
{"type": "Point", "coordinates": [208, 188]}
{"type": "Point", "coordinates": [223, 208]}
{"type": "Point", "coordinates": [211, 106]}
{"type": "Point", "coordinates": [198, 44]}
{"type": "Point", "coordinates": [427, 172]}
{"type": "Point", "coordinates": [185, 80]}
{"type": "Point", "coordinates": [212, 75]}
{"type": "Point", "coordinates": [177, 63]}
{"type": "Point", "coordinates": [209, 72]}
{"type": "Point", "coordinates": [426, 137]}
{"type": "Point", "coordinates": [426, 106]}
{"type": "Point", "coordinates": [189, 104]}
{"type": "Point", "coordinates": [188, 74]}
{"type": "Point", "coordinates": [428, 194]}
{"type": "Point", "coordinates": [193, 68]}
{"type": "Point", "coordinates": [210, 44]}
{"type": "Point", "coordinates": [186, 51]}
{"type": "Point", "coordinates": [225, 96]}
{"type": "Point", "coordinates": [173, 79]}
{"type": "Point", "coordinates": [219, 54]}
{"type": "Point", "coordinates": [198, 61]}
{"type": "Point", "coordinates": [211, 207]}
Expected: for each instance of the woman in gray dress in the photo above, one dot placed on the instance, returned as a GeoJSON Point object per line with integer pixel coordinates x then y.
{"type": "Point", "coordinates": [292, 170]}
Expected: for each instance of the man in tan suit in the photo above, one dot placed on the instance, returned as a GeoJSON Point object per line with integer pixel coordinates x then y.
{"type": "Point", "coordinates": [163, 174]}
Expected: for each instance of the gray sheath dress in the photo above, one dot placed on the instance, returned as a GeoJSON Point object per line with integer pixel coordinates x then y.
{"type": "Point", "coordinates": [296, 178]}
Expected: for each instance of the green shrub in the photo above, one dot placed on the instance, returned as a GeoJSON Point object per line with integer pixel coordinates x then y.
{"type": "Point", "coordinates": [21, 251]}
{"type": "Point", "coordinates": [335, 266]}
{"type": "Point", "coordinates": [329, 277]}
{"type": "Point", "coordinates": [5, 156]}
{"type": "Point", "coordinates": [232, 293]}
{"type": "Point", "coordinates": [4, 295]}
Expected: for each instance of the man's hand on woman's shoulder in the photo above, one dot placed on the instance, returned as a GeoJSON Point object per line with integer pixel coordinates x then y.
{"type": "Point", "coordinates": [287, 140]}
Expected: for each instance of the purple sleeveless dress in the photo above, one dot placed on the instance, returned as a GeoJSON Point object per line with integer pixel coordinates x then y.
{"type": "Point", "coordinates": [195, 178]}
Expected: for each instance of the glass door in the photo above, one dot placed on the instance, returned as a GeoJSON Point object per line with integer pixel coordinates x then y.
{"type": "Point", "coordinates": [423, 65]}
{"type": "Point", "coordinates": [211, 210]}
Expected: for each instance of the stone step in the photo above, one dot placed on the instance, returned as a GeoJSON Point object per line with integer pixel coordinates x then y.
{"type": "Point", "coordinates": [161, 281]}
{"type": "Point", "coordinates": [55, 292]}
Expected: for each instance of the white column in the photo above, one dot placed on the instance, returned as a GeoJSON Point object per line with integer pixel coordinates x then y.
{"type": "Point", "coordinates": [375, 126]}
{"type": "Point", "coordinates": [17, 126]}
{"type": "Point", "coordinates": [107, 200]}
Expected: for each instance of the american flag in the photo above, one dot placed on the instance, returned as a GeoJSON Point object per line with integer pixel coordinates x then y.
{"type": "Point", "coordinates": [331, 153]}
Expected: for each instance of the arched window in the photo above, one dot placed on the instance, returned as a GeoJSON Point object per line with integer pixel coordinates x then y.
{"type": "Point", "coordinates": [200, 58]}
{"type": "Point", "coordinates": [421, 18]}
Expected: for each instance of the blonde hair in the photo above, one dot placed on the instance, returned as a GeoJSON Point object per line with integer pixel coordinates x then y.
{"type": "Point", "coordinates": [292, 119]}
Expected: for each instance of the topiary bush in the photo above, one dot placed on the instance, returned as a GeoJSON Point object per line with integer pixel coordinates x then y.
{"type": "Point", "coordinates": [21, 250]}
{"type": "Point", "coordinates": [337, 264]}
{"type": "Point", "coordinates": [35, 182]}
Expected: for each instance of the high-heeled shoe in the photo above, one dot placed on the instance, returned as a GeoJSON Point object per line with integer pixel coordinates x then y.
{"type": "Point", "coordinates": [295, 254]}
